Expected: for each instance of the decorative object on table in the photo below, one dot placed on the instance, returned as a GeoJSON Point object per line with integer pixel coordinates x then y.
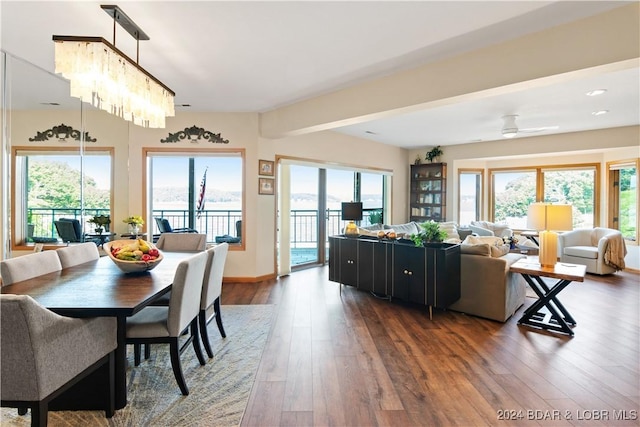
{"type": "Point", "coordinates": [351, 211]}
{"type": "Point", "coordinates": [101, 222]}
{"type": "Point", "coordinates": [418, 160]}
{"type": "Point", "coordinates": [265, 167]}
{"type": "Point", "coordinates": [434, 154]}
{"type": "Point", "coordinates": [139, 98]}
{"type": "Point", "coordinates": [135, 223]}
{"type": "Point", "coordinates": [512, 241]}
{"type": "Point", "coordinates": [375, 217]}
{"type": "Point", "coordinates": [549, 218]}
{"type": "Point", "coordinates": [266, 186]}
{"type": "Point", "coordinates": [135, 256]}
{"type": "Point", "coordinates": [431, 233]}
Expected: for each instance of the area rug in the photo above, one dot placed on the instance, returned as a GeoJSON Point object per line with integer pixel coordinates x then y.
{"type": "Point", "coordinates": [218, 391]}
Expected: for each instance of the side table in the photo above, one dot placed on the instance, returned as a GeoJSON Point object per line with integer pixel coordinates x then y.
{"type": "Point", "coordinates": [102, 237]}
{"type": "Point", "coordinates": [134, 236]}
{"type": "Point", "coordinates": [557, 318]}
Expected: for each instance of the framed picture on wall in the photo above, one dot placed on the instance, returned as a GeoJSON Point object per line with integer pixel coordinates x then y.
{"type": "Point", "coordinates": [266, 186]}
{"type": "Point", "coordinates": [265, 167]}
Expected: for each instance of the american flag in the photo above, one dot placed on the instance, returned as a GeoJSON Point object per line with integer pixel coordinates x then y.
{"type": "Point", "coordinates": [203, 189]}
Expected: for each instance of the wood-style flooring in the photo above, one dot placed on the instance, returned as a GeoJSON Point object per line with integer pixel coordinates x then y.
{"type": "Point", "coordinates": [351, 359]}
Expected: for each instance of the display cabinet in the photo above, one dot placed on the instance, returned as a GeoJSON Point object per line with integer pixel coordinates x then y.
{"type": "Point", "coordinates": [428, 197]}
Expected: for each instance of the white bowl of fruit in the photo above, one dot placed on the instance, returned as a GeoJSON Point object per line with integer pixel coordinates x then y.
{"type": "Point", "coordinates": [133, 256]}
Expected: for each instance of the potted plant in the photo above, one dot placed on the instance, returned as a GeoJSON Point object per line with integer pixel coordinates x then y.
{"type": "Point", "coordinates": [135, 222]}
{"type": "Point", "coordinates": [434, 154]}
{"type": "Point", "coordinates": [430, 233]}
{"type": "Point", "coordinates": [375, 217]}
{"type": "Point", "coordinates": [101, 222]}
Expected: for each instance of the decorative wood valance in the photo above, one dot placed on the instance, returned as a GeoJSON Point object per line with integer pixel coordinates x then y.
{"type": "Point", "coordinates": [62, 132]}
{"type": "Point", "coordinates": [194, 134]}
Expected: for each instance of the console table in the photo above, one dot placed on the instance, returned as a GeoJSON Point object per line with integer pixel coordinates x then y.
{"type": "Point", "coordinates": [557, 318]}
{"type": "Point", "coordinates": [427, 276]}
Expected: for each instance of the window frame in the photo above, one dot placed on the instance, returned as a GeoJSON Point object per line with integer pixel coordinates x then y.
{"type": "Point", "coordinates": [613, 196]}
{"type": "Point", "coordinates": [148, 152]}
{"type": "Point", "coordinates": [479, 197]}
{"type": "Point", "coordinates": [53, 150]}
{"type": "Point", "coordinates": [539, 196]}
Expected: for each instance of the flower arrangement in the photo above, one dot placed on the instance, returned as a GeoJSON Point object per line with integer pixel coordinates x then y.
{"type": "Point", "coordinates": [135, 220]}
{"type": "Point", "coordinates": [512, 241]}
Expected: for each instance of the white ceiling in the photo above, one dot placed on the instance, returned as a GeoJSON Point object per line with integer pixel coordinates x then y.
{"type": "Point", "coordinates": [242, 56]}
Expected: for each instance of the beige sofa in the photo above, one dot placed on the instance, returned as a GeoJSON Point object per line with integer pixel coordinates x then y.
{"type": "Point", "coordinates": [488, 288]}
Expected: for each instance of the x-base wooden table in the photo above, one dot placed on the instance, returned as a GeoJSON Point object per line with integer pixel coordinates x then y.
{"type": "Point", "coordinates": [557, 318]}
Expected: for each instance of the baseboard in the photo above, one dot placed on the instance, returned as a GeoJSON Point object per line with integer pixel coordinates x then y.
{"type": "Point", "coordinates": [249, 279]}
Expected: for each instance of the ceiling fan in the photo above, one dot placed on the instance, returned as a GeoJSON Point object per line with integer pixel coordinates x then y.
{"type": "Point", "coordinates": [510, 129]}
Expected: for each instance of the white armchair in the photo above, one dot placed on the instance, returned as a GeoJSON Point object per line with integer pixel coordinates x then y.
{"type": "Point", "coordinates": [602, 250]}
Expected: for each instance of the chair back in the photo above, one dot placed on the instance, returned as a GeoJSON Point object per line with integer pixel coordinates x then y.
{"type": "Point", "coordinates": [186, 289]}
{"type": "Point", "coordinates": [77, 254]}
{"type": "Point", "coordinates": [163, 225]}
{"type": "Point", "coordinates": [212, 284]}
{"type": "Point", "coordinates": [239, 228]}
{"type": "Point", "coordinates": [178, 242]}
{"type": "Point", "coordinates": [28, 266]}
{"type": "Point", "coordinates": [67, 230]}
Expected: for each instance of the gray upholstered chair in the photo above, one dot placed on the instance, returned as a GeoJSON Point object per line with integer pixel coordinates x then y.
{"type": "Point", "coordinates": [177, 242]}
{"type": "Point", "coordinates": [27, 266]}
{"type": "Point", "coordinates": [43, 354]}
{"type": "Point", "coordinates": [77, 254]}
{"type": "Point", "coordinates": [166, 324]}
{"type": "Point", "coordinates": [591, 247]}
{"type": "Point", "coordinates": [211, 290]}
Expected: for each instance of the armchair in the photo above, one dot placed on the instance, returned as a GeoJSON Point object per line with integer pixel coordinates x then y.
{"type": "Point", "coordinates": [44, 354]}
{"type": "Point", "coordinates": [486, 228]}
{"type": "Point", "coordinates": [165, 227]}
{"type": "Point", "coordinates": [602, 250]}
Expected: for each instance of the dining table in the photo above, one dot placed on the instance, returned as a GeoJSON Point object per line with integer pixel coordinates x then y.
{"type": "Point", "coordinates": [99, 288]}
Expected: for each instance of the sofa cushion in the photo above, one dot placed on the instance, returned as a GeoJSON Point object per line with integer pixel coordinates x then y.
{"type": "Point", "coordinates": [477, 240]}
{"type": "Point", "coordinates": [452, 230]}
{"type": "Point", "coordinates": [500, 250]}
{"type": "Point", "coordinates": [590, 252]}
{"type": "Point", "coordinates": [408, 228]}
{"type": "Point", "coordinates": [482, 249]}
{"type": "Point", "coordinates": [373, 227]}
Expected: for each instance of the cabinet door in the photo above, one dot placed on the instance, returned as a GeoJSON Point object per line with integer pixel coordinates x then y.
{"type": "Point", "coordinates": [365, 264]}
{"type": "Point", "coordinates": [447, 277]}
{"type": "Point", "coordinates": [408, 273]}
{"type": "Point", "coordinates": [348, 262]}
{"type": "Point", "coordinates": [381, 267]}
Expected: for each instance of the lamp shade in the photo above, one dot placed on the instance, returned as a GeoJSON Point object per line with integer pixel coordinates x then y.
{"type": "Point", "coordinates": [352, 211]}
{"type": "Point", "coordinates": [545, 216]}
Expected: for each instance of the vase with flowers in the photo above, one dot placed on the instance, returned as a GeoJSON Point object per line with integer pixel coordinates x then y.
{"type": "Point", "coordinates": [135, 223]}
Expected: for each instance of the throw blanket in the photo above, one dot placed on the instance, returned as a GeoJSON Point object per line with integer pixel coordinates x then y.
{"type": "Point", "coordinates": [615, 252]}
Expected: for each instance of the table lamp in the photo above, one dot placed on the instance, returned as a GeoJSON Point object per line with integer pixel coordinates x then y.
{"type": "Point", "coordinates": [549, 218]}
{"type": "Point", "coordinates": [351, 211]}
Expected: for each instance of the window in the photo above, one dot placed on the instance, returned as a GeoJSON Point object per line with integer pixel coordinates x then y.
{"type": "Point", "coordinates": [175, 188]}
{"type": "Point", "coordinates": [512, 191]}
{"type": "Point", "coordinates": [469, 195]}
{"type": "Point", "coordinates": [623, 198]}
{"type": "Point", "coordinates": [48, 186]}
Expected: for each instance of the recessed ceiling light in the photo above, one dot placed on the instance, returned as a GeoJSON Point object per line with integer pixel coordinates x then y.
{"type": "Point", "coordinates": [184, 105]}
{"type": "Point", "coordinates": [369, 132]}
{"type": "Point", "coordinates": [596, 92]}
{"type": "Point", "coordinates": [600, 112]}
{"type": "Point", "coordinates": [49, 103]}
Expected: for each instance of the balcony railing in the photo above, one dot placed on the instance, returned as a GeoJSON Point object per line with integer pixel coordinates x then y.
{"type": "Point", "coordinates": [304, 222]}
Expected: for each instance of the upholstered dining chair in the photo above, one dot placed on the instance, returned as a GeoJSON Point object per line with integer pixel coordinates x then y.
{"type": "Point", "coordinates": [28, 266]}
{"type": "Point", "coordinates": [178, 242]}
{"type": "Point", "coordinates": [77, 254]}
{"type": "Point", "coordinates": [211, 290]}
{"type": "Point", "coordinates": [166, 324]}
{"type": "Point", "coordinates": [41, 357]}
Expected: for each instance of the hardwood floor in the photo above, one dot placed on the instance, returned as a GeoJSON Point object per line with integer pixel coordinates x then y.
{"type": "Point", "coordinates": [351, 359]}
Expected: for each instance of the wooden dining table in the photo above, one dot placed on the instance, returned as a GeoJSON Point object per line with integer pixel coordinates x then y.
{"type": "Point", "coordinates": [99, 288]}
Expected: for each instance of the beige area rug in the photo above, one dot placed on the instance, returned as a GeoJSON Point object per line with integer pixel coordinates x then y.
{"type": "Point", "coordinates": [218, 391]}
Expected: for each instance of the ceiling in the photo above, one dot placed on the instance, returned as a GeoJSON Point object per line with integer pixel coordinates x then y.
{"type": "Point", "coordinates": [242, 56]}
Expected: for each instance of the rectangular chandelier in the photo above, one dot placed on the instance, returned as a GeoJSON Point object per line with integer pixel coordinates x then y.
{"type": "Point", "coordinates": [103, 76]}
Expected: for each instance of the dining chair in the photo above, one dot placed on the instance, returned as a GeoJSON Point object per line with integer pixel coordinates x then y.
{"type": "Point", "coordinates": [166, 324]}
{"type": "Point", "coordinates": [77, 254]}
{"type": "Point", "coordinates": [28, 266]}
{"type": "Point", "coordinates": [211, 290]}
{"type": "Point", "coordinates": [44, 354]}
{"type": "Point", "coordinates": [178, 242]}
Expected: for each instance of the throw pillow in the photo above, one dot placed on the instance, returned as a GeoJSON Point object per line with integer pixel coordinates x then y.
{"type": "Point", "coordinates": [477, 240]}
{"type": "Point", "coordinates": [482, 249]}
{"type": "Point", "coordinates": [452, 230]}
{"type": "Point", "coordinates": [408, 228]}
{"type": "Point", "coordinates": [498, 251]}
